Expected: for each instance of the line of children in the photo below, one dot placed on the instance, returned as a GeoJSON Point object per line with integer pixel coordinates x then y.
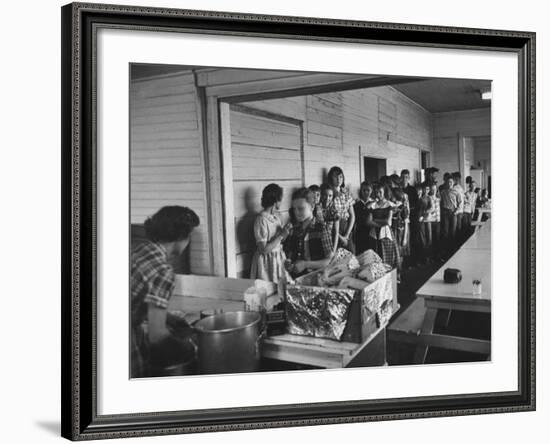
{"type": "Point", "coordinates": [401, 222]}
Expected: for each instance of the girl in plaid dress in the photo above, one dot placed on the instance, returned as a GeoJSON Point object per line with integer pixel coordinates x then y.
{"type": "Point", "coordinates": [380, 222]}
{"type": "Point", "coordinates": [343, 202]}
{"type": "Point", "coordinates": [329, 215]}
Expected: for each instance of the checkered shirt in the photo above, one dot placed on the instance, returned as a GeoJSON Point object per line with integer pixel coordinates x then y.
{"type": "Point", "coordinates": [313, 243]}
{"type": "Point", "coordinates": [152, 279]}
{"type": "Point", "coordinates": [342, 203]}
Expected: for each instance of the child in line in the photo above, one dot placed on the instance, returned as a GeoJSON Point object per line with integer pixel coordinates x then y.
{"type": "Point", "coordinates": [269, 233]}
{"type": "Point", "coordinates": [362, 207]}
{"type": "Point", "coordinates": [380, 220]}
{"type": "Point", "coordinates": [317, 209]}
{"type": "Point", "coordinates": [451, 201]}
{"type": "Point", "coordinates": [435, 217]}
{"type": "Point", "coordinates": [330, 215]}
{"type": "Point", "coordinates": [425, 232]}
{"type": "Point", "coordinates": [457, 178]}
{"type": "Point", "coordinates": [470, 198]}
{"type": "Point", "coordinates": [401, 223]}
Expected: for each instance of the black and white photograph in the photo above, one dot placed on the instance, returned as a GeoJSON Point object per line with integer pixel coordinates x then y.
{"type": "Point", "coordinates": [293, 220]}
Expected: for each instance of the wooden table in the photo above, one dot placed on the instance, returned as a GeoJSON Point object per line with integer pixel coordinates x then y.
{"type": "Point", "coordinates": [474, 261]}
{"type": "Point", "coordinates": [480, 213]}
{"type": "Point", "coordinates": [481, 239]}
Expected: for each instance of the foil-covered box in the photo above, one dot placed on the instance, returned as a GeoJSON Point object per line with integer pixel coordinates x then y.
{"type": "Point", "coordinates": [340, 314]}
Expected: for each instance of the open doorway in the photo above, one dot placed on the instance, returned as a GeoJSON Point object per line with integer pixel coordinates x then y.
{"type": "Point", "coordinates": [374, 168]}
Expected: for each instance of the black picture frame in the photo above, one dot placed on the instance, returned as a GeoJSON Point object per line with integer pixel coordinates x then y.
{"type": "Point", "coordinates": [79, 169]}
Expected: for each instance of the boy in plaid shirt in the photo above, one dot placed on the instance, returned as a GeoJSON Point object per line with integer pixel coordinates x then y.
{"type": "Point", "coordinates": [309, 246]}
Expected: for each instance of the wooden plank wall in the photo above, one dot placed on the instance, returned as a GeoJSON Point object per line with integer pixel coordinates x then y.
{"type": "Point", "coordinates": [341, 127]}
{"type": "Point", "coordinates": [447, 126]}
{"type": "Point", "coordinates": [166, 160]}
{"type": "Point", "coordinates": [263, 150]}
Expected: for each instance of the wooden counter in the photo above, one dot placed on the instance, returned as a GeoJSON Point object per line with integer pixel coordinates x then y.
{"type": "Point", "coordinates": [196, 293]}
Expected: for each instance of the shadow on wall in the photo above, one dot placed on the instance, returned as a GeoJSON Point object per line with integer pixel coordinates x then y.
{"type": "Point", "coordinates": [244, 229]}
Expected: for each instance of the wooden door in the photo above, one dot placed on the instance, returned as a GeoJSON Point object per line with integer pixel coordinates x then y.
{"type": "Point", "coordinates": [265, 148]}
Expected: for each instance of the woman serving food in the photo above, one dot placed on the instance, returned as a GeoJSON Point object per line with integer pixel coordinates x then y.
{"type": "Point", "coordinates": [152, 285]}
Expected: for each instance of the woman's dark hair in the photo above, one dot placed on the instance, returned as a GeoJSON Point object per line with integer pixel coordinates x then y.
{"type": "Point", "coordinates": [171, 224]}
{"type": "Point", "coordinates": [304, 193]}
{"type": "Point", "coordinates": [335, 172]}
{"type": "Point", "coordinates": [271, 194]}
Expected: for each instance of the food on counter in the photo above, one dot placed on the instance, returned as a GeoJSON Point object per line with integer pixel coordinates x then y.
{"type": "Point", "coordinates": [352, 283]}
{"type": "Point", "coordinates": [373, 271]}
{"type": "Point", "coordinates": [341, 255]}
{"type": "Point", "coordinates": [368, 257]}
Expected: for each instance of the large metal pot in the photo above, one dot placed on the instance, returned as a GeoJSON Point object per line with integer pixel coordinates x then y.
{"type": "Point", "coordinates": [229, 342]}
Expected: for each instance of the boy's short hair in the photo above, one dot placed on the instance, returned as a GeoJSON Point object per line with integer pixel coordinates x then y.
{"type": "Point", "coordinates": [325, 187]}
{"type": "Point", "coordinates": [304, 193]}
{"type": "Point", "coordinates": [405, 171]}
{"type": "Point", "coordinates": [315, 188]}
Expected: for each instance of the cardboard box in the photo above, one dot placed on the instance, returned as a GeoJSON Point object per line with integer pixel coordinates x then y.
{"type": "Point", "coordinates": [370, 307]}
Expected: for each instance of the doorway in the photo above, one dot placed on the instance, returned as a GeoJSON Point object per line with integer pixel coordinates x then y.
{"type": "Point", "coordinates": [264, 148]}
{"type": "Point", "coordinates": [374, 168]}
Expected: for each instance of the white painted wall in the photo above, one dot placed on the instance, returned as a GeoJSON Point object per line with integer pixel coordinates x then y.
{"type": "Point", "coordinates": [447, 128]}
{"type": "Point", "coordinates": [166, 155]}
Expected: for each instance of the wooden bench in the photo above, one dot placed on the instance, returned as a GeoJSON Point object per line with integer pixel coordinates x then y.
{"type": "Point", "coordinates": [407, 326]}
{"type": "Point", "coordinates": [410, 327]}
